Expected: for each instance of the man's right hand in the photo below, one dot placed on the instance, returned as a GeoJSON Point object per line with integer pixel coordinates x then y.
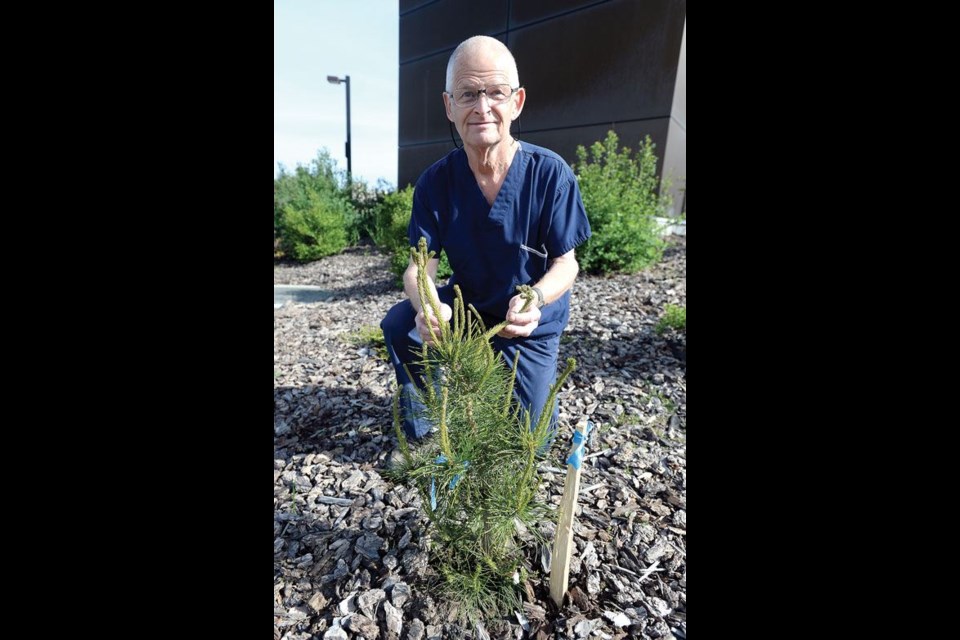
{"type": "Point", "coordinates": [427, 316]}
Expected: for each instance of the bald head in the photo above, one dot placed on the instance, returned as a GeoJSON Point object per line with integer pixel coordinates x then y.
{"type": "Point", "coordinates": [480, 49]}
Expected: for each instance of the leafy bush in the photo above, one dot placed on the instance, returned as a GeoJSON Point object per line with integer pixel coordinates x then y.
{"type": "Point", "coordinates": [312, 213]}
{"type": "Point", "coordinates": [478, 474]}
{"type": "Point", "coordinates": [315, 230]}
{"type": "Point", "coordinates": [389, 232]}
{"type": "Point", "coordinates": [674, 317]}
{"type": "Point", "coordinates": [620, 196]}
{"type": "Point", "coordinates": [366, 202]}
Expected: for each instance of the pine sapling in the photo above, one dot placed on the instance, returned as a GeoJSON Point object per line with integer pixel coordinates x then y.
{"type": "Point", "coordinates": [477, 474]}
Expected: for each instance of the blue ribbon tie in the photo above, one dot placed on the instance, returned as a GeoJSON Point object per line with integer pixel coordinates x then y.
{"type": "Point", "coordinates": [456, 478]}
{"type": "Point", "coordinates": [579, 441]}
{"type": "Point", "coordinates": [440, 459]}
{"type": "Point", "coordinates": [433, 485]}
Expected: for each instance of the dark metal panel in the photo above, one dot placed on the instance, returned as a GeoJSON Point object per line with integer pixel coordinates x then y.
{"type": "Point", "coordinates": [619, 62]}
{"type": "Point", "coordinates": [444, 25]}
{"type": "Point", "coordinates": [609, 62]}
{"type": "Point", "coordinates": [526, 11]}
{"type": "Point", "coordinates": [410, 5]}
{"type": "Point", "coordinates": [422, 117]}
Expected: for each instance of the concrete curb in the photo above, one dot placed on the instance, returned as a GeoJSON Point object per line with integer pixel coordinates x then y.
{"type": "Point", "coordinates": [298, 293]}
{"type": "Point", "coordinates": [669, 228]}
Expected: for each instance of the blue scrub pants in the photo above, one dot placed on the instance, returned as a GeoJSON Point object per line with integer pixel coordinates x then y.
{"type": "Point", "coordinates": [536, 371]}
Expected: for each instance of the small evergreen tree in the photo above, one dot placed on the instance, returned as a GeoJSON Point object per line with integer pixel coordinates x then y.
{"type": "Point", "coordinates": [477, 474]}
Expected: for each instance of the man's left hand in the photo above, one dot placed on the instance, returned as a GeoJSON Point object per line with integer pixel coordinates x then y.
{"type": "Point", "coordinates": [521, 324]}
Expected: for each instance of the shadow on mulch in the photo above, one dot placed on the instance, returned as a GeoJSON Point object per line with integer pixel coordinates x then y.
{"type": "Point", "coordinates": [638, 353]}
{"type": "Point", "coordinates": [372, 281]}
{"type": "Point", "coordinates": [325, 428]}
{"type": "Point", "coordinates": [372, 286]}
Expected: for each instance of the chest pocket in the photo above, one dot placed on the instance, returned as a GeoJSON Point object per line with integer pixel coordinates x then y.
{"type": "Point", "coordinates": [533, 263]}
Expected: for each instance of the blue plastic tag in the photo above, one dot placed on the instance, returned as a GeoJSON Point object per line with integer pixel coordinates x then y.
{"type": "Point", "coordinates": [579, 441]}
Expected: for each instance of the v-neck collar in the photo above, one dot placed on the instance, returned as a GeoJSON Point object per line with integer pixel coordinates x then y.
{"type": "Point", "coordinates": [508, 190]}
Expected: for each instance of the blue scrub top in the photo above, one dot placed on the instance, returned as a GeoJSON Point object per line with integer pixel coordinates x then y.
{"type": "Point", "coordinates": [537, 215]}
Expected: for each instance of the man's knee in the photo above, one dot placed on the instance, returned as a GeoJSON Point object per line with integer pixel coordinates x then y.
{"type": "Point", "coordinates": [398, 321]}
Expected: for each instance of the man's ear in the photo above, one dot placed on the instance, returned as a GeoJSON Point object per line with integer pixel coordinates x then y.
{"type": "Point", "coordinates": [446, 106]}
{"type": "Point", "coordinates": [520, 100]}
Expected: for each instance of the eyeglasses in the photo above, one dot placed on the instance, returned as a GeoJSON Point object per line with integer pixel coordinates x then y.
{"type": "Point", "coordinates": [496, 94]}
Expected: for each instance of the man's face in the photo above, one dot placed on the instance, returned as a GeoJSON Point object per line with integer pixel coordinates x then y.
{"type": "Point", "coordinates": [485, 123]}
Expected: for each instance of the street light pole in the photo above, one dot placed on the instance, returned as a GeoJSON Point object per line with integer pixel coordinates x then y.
{"type": "Point", "coordinates": [345, 80]}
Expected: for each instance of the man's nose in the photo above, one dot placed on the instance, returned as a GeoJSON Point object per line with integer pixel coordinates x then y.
{"type": "Point", "coordinates": [482, 96]}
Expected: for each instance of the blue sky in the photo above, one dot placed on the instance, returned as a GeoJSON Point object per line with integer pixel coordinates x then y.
{"type": "Point", "coordinates": [316, 38]}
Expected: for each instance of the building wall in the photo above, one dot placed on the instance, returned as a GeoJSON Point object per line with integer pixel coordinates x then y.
{"type": "Point", "coordinates": [587, 66]}
{"type": "Point", "coordinates": [675, 155]}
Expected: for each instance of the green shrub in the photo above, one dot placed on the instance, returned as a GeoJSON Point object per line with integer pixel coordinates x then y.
{"type": "Point", "coordinates": [316, 230]}
{"type": "Point", "coordinates": [366, 201]}
{"type": "Point", "coordinates": [390, 227]}
{"type": "Point", "coordinates": [312, 213]}
{"type": "Point", "coordinates": [620, 196]}
{"type": "Point", "coordinates": [390, 221]}
{"type": "Point", "coordinates": [674, 317]}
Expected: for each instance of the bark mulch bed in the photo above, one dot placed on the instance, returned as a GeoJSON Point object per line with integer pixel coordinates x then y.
{"type": "Point", "coordinates": [351, 548]}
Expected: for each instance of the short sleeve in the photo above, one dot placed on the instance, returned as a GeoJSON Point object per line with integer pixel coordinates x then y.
{"type": "Point", "coordinates": [423, 222]}
{"type": "Point", "coordinates": [569, 226]}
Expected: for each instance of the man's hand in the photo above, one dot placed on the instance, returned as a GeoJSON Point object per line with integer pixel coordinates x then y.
{"type": "Point", "coordinates": [521, 324]}
{"type": "Point", "coordinates": [427, 315]}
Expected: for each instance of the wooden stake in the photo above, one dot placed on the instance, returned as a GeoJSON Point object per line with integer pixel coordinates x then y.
{"type": "Point", "coordinates": [563, 542]}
